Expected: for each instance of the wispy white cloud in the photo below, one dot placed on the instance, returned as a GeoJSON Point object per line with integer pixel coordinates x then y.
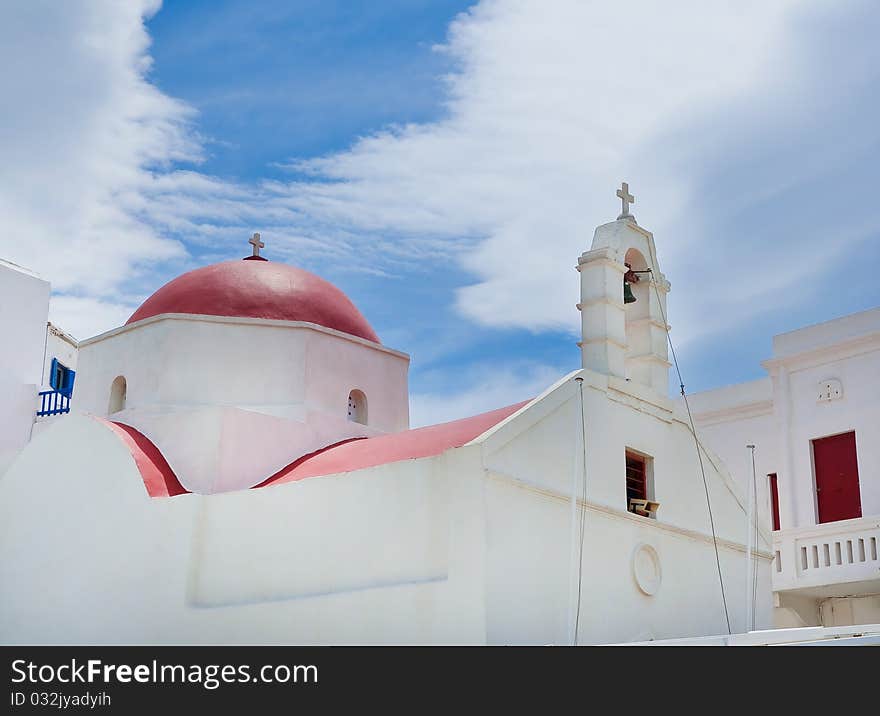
{"type": "Point", "coordinates": [548, 107]}
{"type": "Point", "coordinates": [83, 317]}
{"type": "Point", "coordinates": [551, 105]}
{"type": "Point", "coordinates": [481, 388]}
{"type": "Point", "coordinates": [81, 129]}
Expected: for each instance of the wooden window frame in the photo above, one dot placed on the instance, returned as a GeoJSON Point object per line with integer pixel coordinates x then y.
{"type": "Point", "coordinates": [636, 491]}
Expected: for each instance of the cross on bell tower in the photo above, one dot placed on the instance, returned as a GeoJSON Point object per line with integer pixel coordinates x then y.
{"type": "Point", "coordinates": [626, 199]}
{"type": "Point", "coordinates": [623, 321]}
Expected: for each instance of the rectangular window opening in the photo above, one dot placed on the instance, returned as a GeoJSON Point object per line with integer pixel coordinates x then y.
{"type": "Point", "coordinates": [61, 378]}
{"type": "Point", "coordinates": [639, 485]}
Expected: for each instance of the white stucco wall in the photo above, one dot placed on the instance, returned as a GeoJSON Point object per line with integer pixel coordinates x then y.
{"type": "Point", "coordinates": [278, 367]}
{"type": "Point", "coordinates": [230, 401]}
{"type": "Point", "coordinates": [729, 419]}
{"type": "Point", "coordinates": [530, 462]}
{"type": "Point", "coordinates": [61, 346]}
{"type": "Point", "coordinates": [471, 546]}
{"type": "Point", "coordinates": [781, 414]}
{"type": "Point", "coordinates": [857, 367]}
{"type": "Point", "coordinates": [24, 310]}
{"type": "Point", "coordinates": [361, 558]}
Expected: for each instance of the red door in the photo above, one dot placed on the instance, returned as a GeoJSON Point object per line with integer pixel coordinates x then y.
{"type": "Point", "coordinates": [837, 478]}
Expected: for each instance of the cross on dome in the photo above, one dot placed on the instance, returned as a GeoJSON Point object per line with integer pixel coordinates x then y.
{"type": "Point", "coordinates": [257, 244]}
{"type": "Point", "coordinates": [626, 199]}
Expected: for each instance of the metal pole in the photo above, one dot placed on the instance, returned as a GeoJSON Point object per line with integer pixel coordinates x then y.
{"type": "Point", "coordinates": [574, 554]}
{"type": "Point", "coordinates": [749, 545]}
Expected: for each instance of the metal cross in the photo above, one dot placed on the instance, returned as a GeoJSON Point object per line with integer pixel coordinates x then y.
{"type": "Point", "coordinates": [626, 198]}
{"type": "Point", "coordinates": [256, 243]}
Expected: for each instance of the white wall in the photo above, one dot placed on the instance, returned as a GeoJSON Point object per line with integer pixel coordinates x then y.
{"type": "Point", "coordinates": [729, 419]}
{"type": "Point", "coordinates": [450, 549]}
{"type": "Point", "coordinates": [24, 307]}
{"type": "Point", "coordinates": [24, 310]}
{"type": "Point", "coordinates": [782, 415]}
{"type": "Point", "coordinates": [858, 410]}
{"type": "Point", "coordinates": [531, 460]}
{"type": "Point", "coordinates": [230, 401]}
{"type": "Point", "coordinates": [63, 347]}
{"type": "Point", "coordinates": [277, 367]}
{"type": "Point", "coordinates": [361, 558]}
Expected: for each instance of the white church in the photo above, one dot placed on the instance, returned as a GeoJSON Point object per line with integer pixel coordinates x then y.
{"type": "Point", "coordinates": [235, 465]}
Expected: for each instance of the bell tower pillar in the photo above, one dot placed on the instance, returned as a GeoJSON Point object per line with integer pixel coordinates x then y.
{"type": "Point", "coordinates": [624, 338]}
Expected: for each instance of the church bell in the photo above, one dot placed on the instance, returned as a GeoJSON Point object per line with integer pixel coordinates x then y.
{"type": "Point", "coordinates": [628, 293]}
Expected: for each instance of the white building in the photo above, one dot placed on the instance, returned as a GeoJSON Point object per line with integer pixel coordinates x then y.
{"type": "Point", "coordinates": [815, 424]}
{"type": "Point", "coordinates": [37, 362]}
{"type": "Point", "coordinates": [239, 468]}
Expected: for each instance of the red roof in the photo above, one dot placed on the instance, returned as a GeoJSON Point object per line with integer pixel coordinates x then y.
{"type": "Point", "coordinates": [258, 289]}
{"type": "Point", "coordinates": [346, 456]}
{"type": "Point", "coordinates": [360, 453]}
{"type": "Point", "coordinates": [158, 477]}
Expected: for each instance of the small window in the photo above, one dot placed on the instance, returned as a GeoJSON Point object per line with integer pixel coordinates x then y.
{"type": "Point", "coordinates": [639, 485]}
{"type": "Point", "coordinates": [357, 407]}
{"type": "Point", "coordinates": [61, 378]}
{"type": "Point", "coordinates": [118, 391]}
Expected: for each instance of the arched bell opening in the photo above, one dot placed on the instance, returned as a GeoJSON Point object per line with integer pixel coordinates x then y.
{"type": "Point", "coordinates": [638, 304]}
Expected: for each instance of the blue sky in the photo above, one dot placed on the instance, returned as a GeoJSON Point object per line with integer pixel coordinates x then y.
{"type": "Point", "coordinates": [297, 79]}
{"type": "Point", "coordinates": [445, 163]}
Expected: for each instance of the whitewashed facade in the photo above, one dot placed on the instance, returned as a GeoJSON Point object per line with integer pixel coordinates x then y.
{"type": "Point", "coordinates": [822, 387]}
{"type": "Point", "coordinates": [519, 532]}
{"type": "Point", "coordinates": [30, 343]}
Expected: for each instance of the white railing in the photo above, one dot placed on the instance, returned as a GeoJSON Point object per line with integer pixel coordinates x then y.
{"type": "Point", "coordinates": [822, 555]}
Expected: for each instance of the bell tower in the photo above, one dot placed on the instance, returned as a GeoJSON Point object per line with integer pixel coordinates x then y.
{"type": "Point", "coordinates": [623, 303]}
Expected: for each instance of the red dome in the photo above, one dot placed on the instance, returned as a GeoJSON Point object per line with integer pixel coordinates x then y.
{"type": "Point", "coordinates": [258, 289]}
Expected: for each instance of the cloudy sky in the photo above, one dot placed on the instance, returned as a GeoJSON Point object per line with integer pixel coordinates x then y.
{"type": "Point", "coordinates": [445, 162]}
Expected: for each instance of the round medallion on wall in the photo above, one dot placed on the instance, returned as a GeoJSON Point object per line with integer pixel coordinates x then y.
{"type": "Point", "coordinates": [646, 569]}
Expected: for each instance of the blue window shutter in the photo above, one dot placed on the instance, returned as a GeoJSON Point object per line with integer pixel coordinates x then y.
{"type": "Point", "coordinates": [68, 382]}
{"type": "Point", "coordinates": [53, 375]}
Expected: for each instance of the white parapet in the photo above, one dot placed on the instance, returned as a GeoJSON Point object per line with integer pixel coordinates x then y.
{"type": "Point", "coordinates": [845, 553]}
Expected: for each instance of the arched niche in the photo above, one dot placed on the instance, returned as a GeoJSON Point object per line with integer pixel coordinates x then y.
{"type": "Point", "coordinates": [357, 407]}
{"type": "Point", "coordinates": [118, 390]}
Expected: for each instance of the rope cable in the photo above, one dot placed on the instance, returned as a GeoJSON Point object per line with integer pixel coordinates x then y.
{"type": "Point", "coordinates": [577, 616]}
{"type": "Point", "coordinates": [697, 445]}
{"type": "Point", "coordinates": [754, 540]}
